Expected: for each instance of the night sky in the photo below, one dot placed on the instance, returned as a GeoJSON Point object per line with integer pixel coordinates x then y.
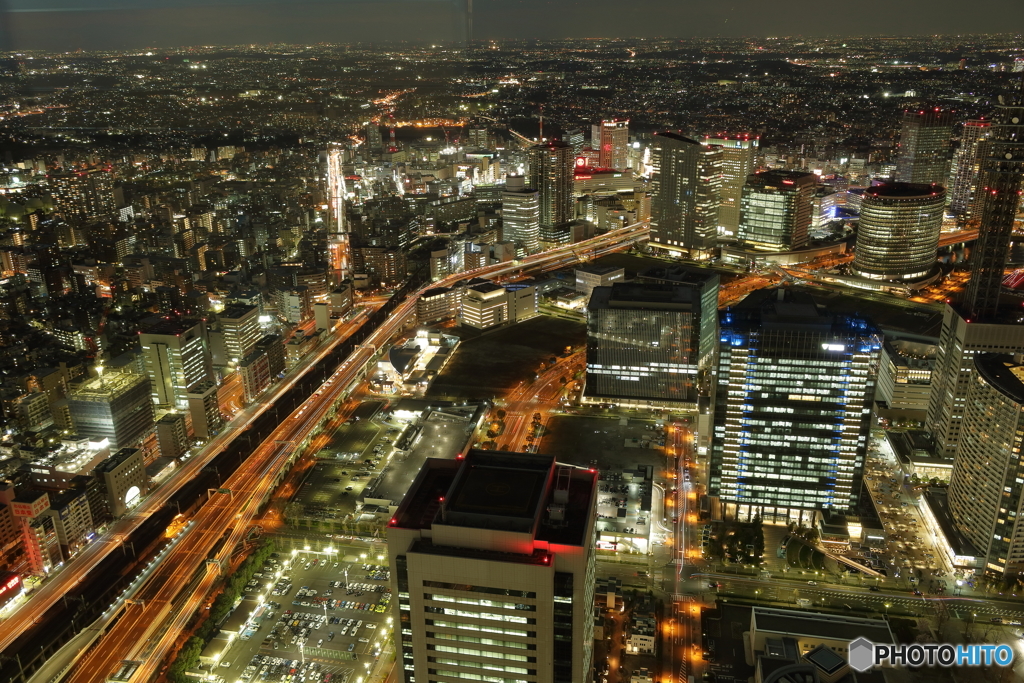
{"type": "Point", "coordinates": [119, 24]}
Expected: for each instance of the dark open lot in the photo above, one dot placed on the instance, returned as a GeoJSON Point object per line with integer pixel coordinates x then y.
{"type": "Point", "coordinates": [487, 365]}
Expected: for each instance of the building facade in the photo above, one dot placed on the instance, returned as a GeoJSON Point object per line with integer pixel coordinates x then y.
{"type": "Point", "coordinates": [551, 174]}
{"type": "Point", "coordinates": [739, 160]}
{"type": "Point", "coordinates": [652, 344]}
{"type": "Point", "coordinates": [898, 232]}
{"type": "Point", "coordinates": [776, 210]}
{"type": "Point", "coordinates": [492, 562]}
{"type": "Point", "coordinates": [611, 140]}
{"type": "Point", "coordinates": [686, 193]}
{"type": "Point", "coordinates": [925, 148]}
{"type": "Point", "coordinates": [793, 408]}
{"type": "Point", "coordinates": [177, 357]}
{"type": "Point", "coordinates": [115, 406]}
{"type": "Point", "coordinates": [986, 487]}
{"type": "Point", "coordinates": [967, 166]}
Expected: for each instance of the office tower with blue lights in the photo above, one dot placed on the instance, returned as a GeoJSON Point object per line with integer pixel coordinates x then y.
{"type": "Point", "coordinates": [686, 192]}
{"type": "Point", "coordinates": [925, 149]}
{"type": "Point", "coordinates": [898, 232]}
{"type": "Point", "coordinates": [775, 210]}
{"type": "Point", "coordinates": [792, 409]}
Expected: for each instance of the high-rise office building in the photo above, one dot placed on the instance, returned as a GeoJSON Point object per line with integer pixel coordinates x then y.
{"type": "Point", "coordinates": [925, 147]}
{"type": "Point", "coordinates": [967, 165]}
{"type": "Point", "coordinates": [959, 342]}
{"type": "Point", "coordinates": [652, 344]}
{"type": "Point", "coordinates": [551, 174]}
{"type": "Point", "coordinates": [792, 407]}
{"type": "Point", "coordinates": [492, 562]}
{"type": "Point", "coordinates": [739, 160]}
{"type": "Point", "coordinates": [83, 195]}
{"type": "Point", "coordinates": [898, 232]}
{"type": "Point", "coordinates": [986, 487]}
{"type": "Point", "coordinates": [240, 325]}
{"type": "Point", "coordinates": [114, 406]}
{"type": "Point", "coordinates": [177, 358]}
{"type": "Point", "coordinates": [611, 140]}
{"type": "Point", "coordinates": [520, 215]}
{"type": "Point", "coordinates": [775, 210]}
{"type": "Point", "coordinates": [977, 325]}
{"type": "Point", "coordinates": [686, 191]}
{"type": "Point", "coordinates": [1000, 182]}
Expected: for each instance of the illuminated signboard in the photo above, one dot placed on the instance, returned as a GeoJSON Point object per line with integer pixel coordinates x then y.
{"type": "Point", "coordinates": [10, 586]}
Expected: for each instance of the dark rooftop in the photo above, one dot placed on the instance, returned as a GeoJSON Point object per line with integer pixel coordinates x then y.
{"type": "Point", "coordinates": [904, 190]}
{"type": "Point", "coordinates": [644, 296]}
{"type": "Point", "coordinates": [833, 626]}
{"type": "Point", "coordinates": [1003, 373]}
{"type": "Point", "coordinates": [501, 491]}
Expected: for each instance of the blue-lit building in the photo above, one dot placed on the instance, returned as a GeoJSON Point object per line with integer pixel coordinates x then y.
{"type": "Point", "coordinates": [792, 408]}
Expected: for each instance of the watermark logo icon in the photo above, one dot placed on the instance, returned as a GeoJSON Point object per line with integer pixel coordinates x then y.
{"type": "Point", "coordinates": [862, 654]}
{"type": "Point", "coordinates": [865, 655]}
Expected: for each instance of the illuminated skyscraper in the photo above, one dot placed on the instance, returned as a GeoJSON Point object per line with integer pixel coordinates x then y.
{"type": "Point", "coordinates": [999, 183]}
{"type": "Point", "coordinates": [793, 407]}
{"type": "Point", "coordinates": [775, 211]}
{"type": "Point", "coordinates": [551, 174]}
{"type": "Point", "coordinates": [686, 188]}
{"type": "Point", "coordinates": [520, 215]}
{"type": "Point", "coordinates": [611, 140]}
{"type": "Point", "coordinates": [925, 145]}
{"type": "Point", "coordinates": [986, 489]}
{"type": "Point", "coordinates": [898, 232]}
{"type": "Point", "coordinates": [977, 325]}
{"type": "Point", "coordinates": [739, 160]}
{"type": "Point", "coordinates": [967, 165]}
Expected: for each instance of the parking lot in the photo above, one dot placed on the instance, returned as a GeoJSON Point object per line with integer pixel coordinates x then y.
{"type": "Point", "coordinates": [326, 619]}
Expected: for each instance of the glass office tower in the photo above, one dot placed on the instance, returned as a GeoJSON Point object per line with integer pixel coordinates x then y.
{"type": "Point", "coordinates": [792, 410]}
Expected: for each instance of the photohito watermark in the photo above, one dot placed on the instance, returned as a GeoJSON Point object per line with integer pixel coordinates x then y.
{"type": "Point", "coordinates": [865, 655]}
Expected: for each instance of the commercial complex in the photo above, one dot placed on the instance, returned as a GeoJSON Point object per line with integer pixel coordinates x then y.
{"type": "Point", "coordinates": [652, 344]}
{"type": "Point", "coordinates": [775, 210]}
{"type": "Point", "coordinates": [898, 232]}
{"type": "Point", "coordinates": [792, 408]}
{"type": "Point", "coordinates": [686, 190]}
{"type": "Point", "coordinates": [492, 562]}
{"type": "Point", "coordinates": [925, 147]}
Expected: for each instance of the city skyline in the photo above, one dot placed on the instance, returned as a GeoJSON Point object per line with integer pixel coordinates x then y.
{"type": "Point", "coordinates": [522, 361]}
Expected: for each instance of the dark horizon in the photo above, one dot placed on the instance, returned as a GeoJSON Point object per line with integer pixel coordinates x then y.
{"type": "Point", "coordinates": [132, 24]}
